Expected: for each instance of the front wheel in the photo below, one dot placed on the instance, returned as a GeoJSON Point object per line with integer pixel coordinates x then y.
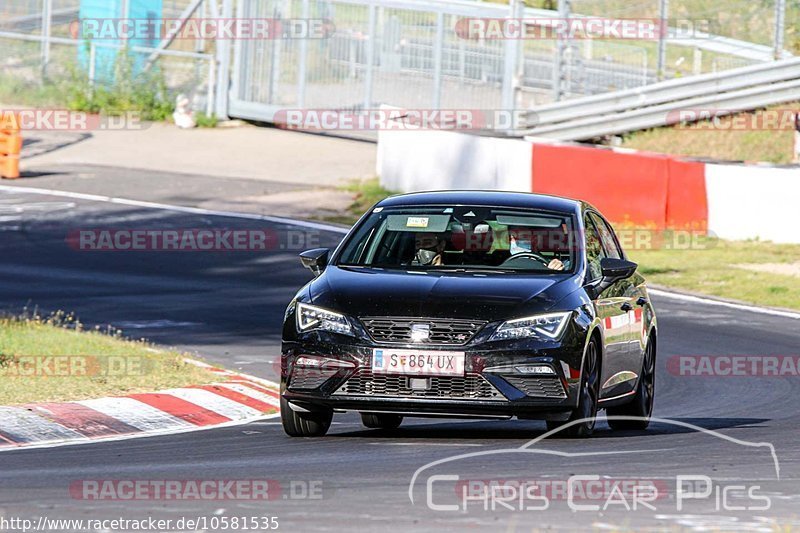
{"type": "Point", "coordinates": [302, 424]}
{"type": "Point", "coordinates": [641, 407]}
{"type": "Point", "coordinates": [381, 420]}
{"type": "Point", "coordinates": [586, 412]}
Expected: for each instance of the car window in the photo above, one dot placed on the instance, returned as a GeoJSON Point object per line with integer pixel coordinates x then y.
{"type": "Point", "coordinates": [463, 238]}
{"type": "Point", "coordinates": [594, 250]}
{"type": "Point", "coordinates": [607, 236]}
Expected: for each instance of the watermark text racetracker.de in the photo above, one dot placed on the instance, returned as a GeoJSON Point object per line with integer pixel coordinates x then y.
{"type": "Point", "coordinates": [532, 28]}
{"type": "Point", "coordinates": [74, 366]}
{"type": "Point", "coordinates": [175, 490]}
{"type": "Point", "coordinates": [735, 365]}
{"type": "Point", "coordinates": [57, 119]}
{"type": "Point", "coordinates": [190, 240]}
{"type": "Point", "coordinates": [209, 28]}
{"type": "Point", "coordinates": [565, 239]}
{"type": "Point", "coordinates": [395, 119]}
{"type": "Point", "coordinates": [732, 120]}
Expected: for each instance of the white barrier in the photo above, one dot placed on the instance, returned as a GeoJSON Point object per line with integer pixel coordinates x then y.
{"type": "Point", "coordinates": [437, 160]}
{"type": "Point", "coordinates": [744, 201]}
{"type": "Point", "coordinates": [752, 202]}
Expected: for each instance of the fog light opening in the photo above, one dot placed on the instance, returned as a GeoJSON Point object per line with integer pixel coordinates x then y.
{"type": "Point", "coordinates": [535, 370]}
{"type": "Point", "coordinates": [305, 361]}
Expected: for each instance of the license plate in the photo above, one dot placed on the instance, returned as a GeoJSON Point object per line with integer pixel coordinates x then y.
{"type": "Point", "coordinates": [416, 362]}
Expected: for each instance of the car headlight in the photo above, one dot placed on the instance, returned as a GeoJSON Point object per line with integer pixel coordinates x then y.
{"type": "Point", "coordinates": [549, 327]}
{"type": "Point", "coordinates": [311, 317]}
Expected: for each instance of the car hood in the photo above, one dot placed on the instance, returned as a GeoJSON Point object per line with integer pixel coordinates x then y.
{"type": "Point", "coordinates": [362, 292]}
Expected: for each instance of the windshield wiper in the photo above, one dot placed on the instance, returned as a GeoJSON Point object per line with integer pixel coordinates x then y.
{"type": "Point", "coordinates": [474, 270]}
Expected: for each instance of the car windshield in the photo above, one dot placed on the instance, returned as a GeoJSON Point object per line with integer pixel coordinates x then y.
{"type": "Point", "coordinates": [463, 238]}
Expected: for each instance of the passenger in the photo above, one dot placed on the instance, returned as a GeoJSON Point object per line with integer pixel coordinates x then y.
{"type": "Point", "coordinates": [429, 249]}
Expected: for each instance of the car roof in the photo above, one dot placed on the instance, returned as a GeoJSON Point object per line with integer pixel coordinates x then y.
{"type": "Point", "coordinates": [485, 198]}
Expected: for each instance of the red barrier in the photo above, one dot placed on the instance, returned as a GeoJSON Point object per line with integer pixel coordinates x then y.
{"type": "Point", "coordinates": [640, 189]}
{"type": "Point", "coordinates": [626, 188]}
{"type": "Point", "coordinates": [687, 201]}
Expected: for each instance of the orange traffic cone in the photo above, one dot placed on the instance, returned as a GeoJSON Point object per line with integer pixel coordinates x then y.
{"type": "Point", "coordinates": [10, 147]}
{"type": "Point", "coordinates": [9, 166]}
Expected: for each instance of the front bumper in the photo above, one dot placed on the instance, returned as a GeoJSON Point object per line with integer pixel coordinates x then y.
{"type": "Point", "coordinates": [491, 388]}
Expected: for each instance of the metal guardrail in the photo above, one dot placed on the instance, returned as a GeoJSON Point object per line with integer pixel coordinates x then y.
{"type": "Point", "coordinates": [676, 89]}
{"type": "Point", "coordinates": [658, 104]}
{"type": "Point", "coordinates": [702, 41]}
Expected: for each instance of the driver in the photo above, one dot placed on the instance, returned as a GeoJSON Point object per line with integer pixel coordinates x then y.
{"type": "Point", "coordinates": [521, 243]}
{"type": "Point", "coordinates": [429, 249]}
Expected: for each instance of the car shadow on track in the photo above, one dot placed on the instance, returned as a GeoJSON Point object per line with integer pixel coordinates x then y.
{"type": "Point", "coordinates": [458, 431]}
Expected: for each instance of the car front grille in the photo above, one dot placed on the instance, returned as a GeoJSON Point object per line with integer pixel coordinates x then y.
{"type": "Point", "coordinates": [469, 387]}
{"type": "Point", "coordinates": [537, 387]}
{"type": "Point", "coordinates": [442, 331]}
{"type": "Point", "coordinates": [309, 378]}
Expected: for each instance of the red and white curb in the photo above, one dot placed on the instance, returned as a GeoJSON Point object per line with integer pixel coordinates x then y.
{"type": "Point", "coordinates": [235, 399]}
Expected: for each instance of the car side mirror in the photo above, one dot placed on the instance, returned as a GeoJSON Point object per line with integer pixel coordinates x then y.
{"type": "Point", "coordinates": [617, 269]}
{"type": "Point", "coordinates": [614, 270]}
{"type": "Point", "coordinates": [315, 260]}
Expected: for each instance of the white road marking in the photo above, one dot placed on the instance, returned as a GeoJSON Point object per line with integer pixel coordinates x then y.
{"type": "Point", "coordinates": [135, 413]}
{"type": "Point", "coordinates": [729, 305]}
{"type": "Point", "coordinates": [141, 324]}
{"type": "Point", "coordinates": [28, 426]}
{"type": "Point", "coordinates": [46, 207]}
{"type": "Point", "coordinates": [214, 402]}
{"type": "Point", "coordinates": [178, 208]}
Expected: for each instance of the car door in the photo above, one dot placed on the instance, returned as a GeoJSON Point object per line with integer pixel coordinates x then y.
{"type": "Point", "coordinates": [612, 308]}
{"type": "Point", "coordinates": [628, 300]}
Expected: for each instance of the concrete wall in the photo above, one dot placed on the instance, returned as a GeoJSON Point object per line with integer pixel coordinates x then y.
{"type": "Point", "coordinates": [748, 202]}
{"type": "Point", "coordinates": [730, 201]}
{"type": "Point", "coordinates": [435, 160]}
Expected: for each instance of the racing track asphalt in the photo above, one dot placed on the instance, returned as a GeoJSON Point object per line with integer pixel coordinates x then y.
{"type": "Point", "coordinates": [228, 307]}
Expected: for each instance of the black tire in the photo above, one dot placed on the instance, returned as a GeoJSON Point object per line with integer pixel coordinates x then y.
{"type": "Point", "coordinates": [587, 401]}
{"type": "Point", "coordinates": [642, 404]}
{"type": "Point", "coordinates": [299, 424]}
{"type": "Point", "coordinates": [381, 420]}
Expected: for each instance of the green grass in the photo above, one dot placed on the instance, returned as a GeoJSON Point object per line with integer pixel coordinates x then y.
{"type": "Point", "coordinates": [366, 193]}
{"type": "Point", "coordinates": [701, 140]}
{"type": "Point", "coordinates": [16, 91]}
{"type": "Point", "coordinates": [55, 360]}
{"type": "Point", "coordinates": [713, 271]}
{"type": "Point", "coordinates": [205, 121]}
{"type": "Point", "coordinates": [143, 93]}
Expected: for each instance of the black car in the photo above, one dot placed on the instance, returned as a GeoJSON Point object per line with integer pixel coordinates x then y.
{"type": "Point", "coordinates": [471, 304]}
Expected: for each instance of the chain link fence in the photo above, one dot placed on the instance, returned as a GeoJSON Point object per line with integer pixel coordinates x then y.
{"type": "Point", "coordinates": [40, 46]}
{"type": "Point", "coordinates": [409, 55]}
{"type": "Point", "coordinates": [716, 34]}
{"type": "Point", "coordinates": [401, 53]}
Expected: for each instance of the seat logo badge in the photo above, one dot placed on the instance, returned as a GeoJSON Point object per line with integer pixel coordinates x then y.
{"type": "Point", "coordinates": [420, 332]}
